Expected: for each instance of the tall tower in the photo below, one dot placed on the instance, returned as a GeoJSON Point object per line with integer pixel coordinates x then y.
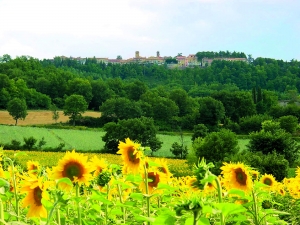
{"type": "Point", "coordinates": [157, 54]}
{"type": "Point", "coordinates": [137, 54]}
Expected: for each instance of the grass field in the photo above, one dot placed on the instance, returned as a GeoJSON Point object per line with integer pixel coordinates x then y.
{"type": "Point", "coordinates": [39, 117]}
{"type": "Point", "coordinates": [83, 140]}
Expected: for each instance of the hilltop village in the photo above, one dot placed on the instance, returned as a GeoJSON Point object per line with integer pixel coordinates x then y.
{"type": "Point", "coordinates": [179, 61]}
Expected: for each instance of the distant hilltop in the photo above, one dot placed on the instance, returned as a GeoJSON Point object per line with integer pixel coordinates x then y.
{"type": "Point", "coordinates": [178, 61]}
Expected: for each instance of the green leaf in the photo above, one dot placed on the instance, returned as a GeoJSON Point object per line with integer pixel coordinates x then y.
{"type": "Point", "coordinates": [203, 221]}
{"type": "Point", "coordinates": [47, 204]}
{"type": "Point", "coordinates": [4, 183]}
{"type": "Point", "coordinates": [97, 207]}
{"type": "Point", "coordinates": [237, 192]}
{"type": "Point", "coordinates": [143, 218]}
{"type": "Point", "coordinates": [189, 221]}
{"type": "Point", "coordinates": [230, 208]}
{"type": "Point", "coordinates": [151, 163]}
{"type": "Point", "coordinates": [116, 211]}
{"type": "Point", "coordinates": [65, 180]}
{"type": "Point", "coordinates": [134, 178]}
{"type": "Point", "coordinates": [137, 196]}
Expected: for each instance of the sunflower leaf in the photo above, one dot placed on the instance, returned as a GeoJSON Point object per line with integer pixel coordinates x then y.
{"type": "Point", "coordinates": [65, 180]}
{"type": "Point", "coordinates": [134, 178]}
{"type": "Point", "coordinates": [237, 192]}
{"type": "Point", "coordinates": [47, 204]}
{"type": "Point", "coordinates": [19, 154]}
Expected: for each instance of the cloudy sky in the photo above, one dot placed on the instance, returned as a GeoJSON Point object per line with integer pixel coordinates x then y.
{"type": "Point", "coordinates": [107, 28]}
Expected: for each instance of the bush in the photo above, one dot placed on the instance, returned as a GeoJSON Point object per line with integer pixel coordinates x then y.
{"type": "Point", "coordinates": [141, 130]}
{"type": "Point", "coordinates": [216, 146]}
{"type": "Point", "coordinates": [288, 123]}
{"type": "Point", "coordinates": [200, 130]}
{"type": "Point", "coordinates": [29, 143]}
{"type": "Point", "coordinates": [271, 163]}
{"type": "Point", "coordinates": [271, 138]}
{"type": "Point", "coordinates": [252, 123]}
{"type": "Point", "coordinates": [179, 150]}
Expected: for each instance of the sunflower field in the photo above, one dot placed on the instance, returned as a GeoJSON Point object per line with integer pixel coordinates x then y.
{"type": "Point", "coordinates": [76, 188]}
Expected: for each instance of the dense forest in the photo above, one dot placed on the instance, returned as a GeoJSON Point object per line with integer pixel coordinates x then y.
{"type": "Point", "coordinates": [224, 91]}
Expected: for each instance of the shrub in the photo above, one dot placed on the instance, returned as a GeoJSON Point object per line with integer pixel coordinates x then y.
{"type": "Point", "coordinates": [271, 138]}
{"type": "Point", "coordinates": [252, 123]}
{"type": "Point", "coordinates": [141, 130]}
{"type": "Point", "coordinates": [216, 146]}
{"type": "Point", "coordinates": [271, 163]}
{"type": "Point", "coordinates": [288, 123]}
{"type": "Point", "coordinates": [29, 143]}
{"type": "Point", "coordinates": [179, 150]}
{"type": "Point", "coordinates": [200, 130]}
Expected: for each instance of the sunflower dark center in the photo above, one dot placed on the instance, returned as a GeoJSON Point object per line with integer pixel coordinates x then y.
{"type": "Point", "coordinates": [241, 176]}
{"type": "Point", "coordinates": [154, 179]}
{"type": "Point", "coordinates": [73, 169]}
{"type": "Point", "coordinates": [132, 157]}
{"type": "Point", "coordinates": [37, 195]}
{"type": "Point", "coordinates": [268, 181]}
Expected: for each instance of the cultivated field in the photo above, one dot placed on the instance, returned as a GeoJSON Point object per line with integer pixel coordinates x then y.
{"type": "Point", "coordinates": [39, 117]}
{"type": "Point", "coordinates": [83, 140]}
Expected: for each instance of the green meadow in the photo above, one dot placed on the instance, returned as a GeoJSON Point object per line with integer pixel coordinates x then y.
{"type": "Point", "coordinates": [84, 140]}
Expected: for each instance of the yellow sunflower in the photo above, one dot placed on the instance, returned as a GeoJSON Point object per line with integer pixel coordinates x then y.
{"type": "Point", "coordinates": [237, 175]}
{"type": "Point", "coordinates": [131, 155]}
{"type": "Point", "coordinates": [280, 189]}
{"type": "Point", "coordinates": [163, 168]}
{"type": "Point", "coordinates": [33, 166]}
{"type": "Point", "coordinates": [254, 174]}
{"type": "Point", "coordinates": [210, 188]}
{"type": "Point", "coordinates": [269, 180]}
{"type": "Point", "coordinates": [73, 166]}
{"type": "Point", "coordinates": [35, 191]}
{"type": "Point", "coordinates": [154, 178]}
{"type": "Point", "coordinates": [98, 165]}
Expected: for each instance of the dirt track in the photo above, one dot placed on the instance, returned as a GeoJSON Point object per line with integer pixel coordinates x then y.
{"type": "Point", "coordinates": [39, 117]}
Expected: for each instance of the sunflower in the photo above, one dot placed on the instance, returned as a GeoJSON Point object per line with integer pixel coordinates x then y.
{"type": "Point", "coordinates": [163, 167]}
{"type": "Point", "coordinates": [98, 165]}
{"type": "Point", "coordinates": [269, 180]}
{"type": "Point", "coordinates": [210, 188]}
{"type": "Point", "coordinates": [73, 166]}
{"type": "Point", "coordinates": [237, 175]}
{"type": "Point", "coordinates": [33, 166]}
{"type": "Point", "coordinates": [131, 155]}
{"type": "Point", "coordinates": [35, 191]}
{"type": "Point", "coordinates": [154, 178]}
{"type": "Point", "coordinates": [280, 189]}
{"type": "Point", "coordinates": [254, 174]}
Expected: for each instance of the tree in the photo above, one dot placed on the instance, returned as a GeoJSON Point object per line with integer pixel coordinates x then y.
{"type": "Point", "coordinates": [288, 123]}
{"type": "Point", "coordinates": [119, 57]}
{"type": "Point", "coordinates": [55, 113]}
{"type": "Point", "coordinates": [273, 138]}
{"type": "Point", "coordinates": [74, 106]}
{"type": "Point", "coordinates": [200, 130]}
{"type": "Point", "coordinates": [141, 130]}
{"type": "Point", "coordinates": [211, 112]}
{"type": "Point", "coordinates": [17, 108]}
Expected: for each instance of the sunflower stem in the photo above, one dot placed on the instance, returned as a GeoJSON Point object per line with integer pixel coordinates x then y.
{"type": "Point", "coordinates": [15, 187]}
{"type": "Point", "coordinates": [51, 212]}
{"type": "Point", "coordinates": [255, 209]}
{"type": "Point", "coordinates": [121, 200]}
{"type": "Point", "coordinates": [78, 204]}
{"type": "Point", "coordinates": [106, 206]}
{"type": "Point", "coordinates": [147, 192]}
{"type": "Point", "coordinates": [219, 187]}
{"type": "Point", "coordinates": [58, 216]}
{"type": "Point", "coordinates": [1, 211]}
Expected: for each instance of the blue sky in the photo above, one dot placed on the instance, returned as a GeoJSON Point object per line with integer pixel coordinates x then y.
{"type": "Point", "coordinates": [107, 28]}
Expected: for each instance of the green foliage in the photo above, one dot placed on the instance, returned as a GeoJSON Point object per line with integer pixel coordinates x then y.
{"type": "Point", "coordinates": [216, 146]}
{"type": "Point", "coordinates": [17, 108]}
{"type": "Point", "coordinates": [288, 123]}
{"type": "Point", "coordinates": [29, 143]}
{"type": "Point", "coordinates": [200, 130]}
{"type": "Point", "coordinates": [141, 130]}
{"type": "Point", "coordinates": [271, 163]}
{"type": "Point", "coordinates": [211, 112]}
{"type": "Point", "coordinates": [252, 123]}
{"type": "Point", "coordinates": [273, 138]}
{"type": "Point", "coordinates": [179, 150]}
{"type": "Point", "coordinates": [74, 106]}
